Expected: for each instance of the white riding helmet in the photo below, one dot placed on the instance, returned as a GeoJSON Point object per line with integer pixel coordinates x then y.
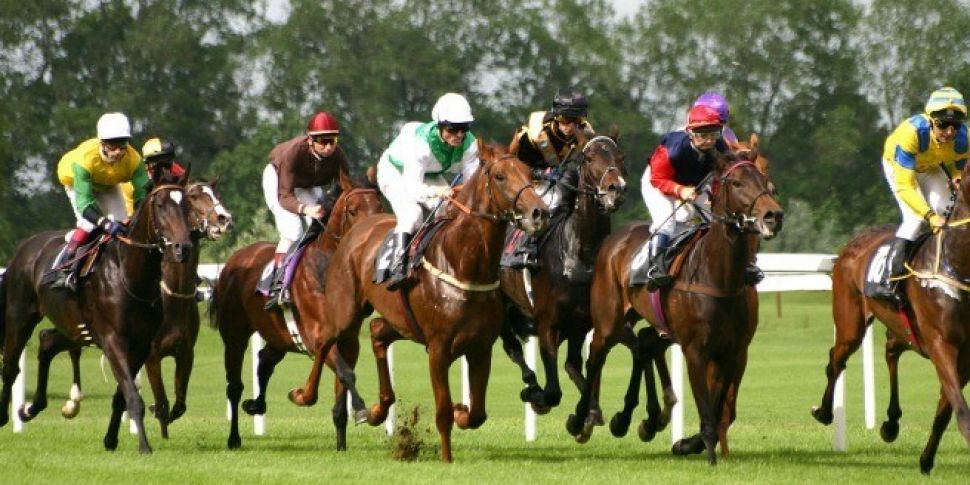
{"type": "Point", "coordinates": [112, 126]}
{"type": "Point", "coordinates": [452, 108]}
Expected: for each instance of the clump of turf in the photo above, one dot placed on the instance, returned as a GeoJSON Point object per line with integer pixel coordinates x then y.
{"type": "Point", "coordinates": [408, 440]}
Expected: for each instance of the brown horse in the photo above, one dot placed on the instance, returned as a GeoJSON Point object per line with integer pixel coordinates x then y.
{"type": "Point", "coordinates": [180, 325]}
{"type": "Point", "coordinates": [121, 323]}
{"type": "Point", "coordinates": [653, 348]}
{"type": "Point", "coordinates": [237, 310]}
{"type": "Point", "coordinates": [457, 309]}
{"type": "Point", "coordinates": [708, 308]}
{"type": "Point", "coordinates": [561, 307]}
{"type": "Point", "coordinates": [936, 315]}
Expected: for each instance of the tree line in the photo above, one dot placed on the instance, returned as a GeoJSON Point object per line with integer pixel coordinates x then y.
{"type": "Point", "coordinates": [822, 82]}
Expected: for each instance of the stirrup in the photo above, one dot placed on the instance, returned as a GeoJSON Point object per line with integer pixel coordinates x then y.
{"type": "Point", "coordinates": [657, 280]}
{"type": "Point", "coordinates": [397, 279]}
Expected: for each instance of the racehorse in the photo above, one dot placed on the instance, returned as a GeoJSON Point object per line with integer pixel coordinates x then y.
{"type": "Point", "coordinates": [561, 307]}
{"type": "Point", "coordinates": [180, 325]}
{"type": "Point", "coordinates": [121, 323]}
{"type": "Point", "coordinates": [707, 309]}
{"type": "Point", "coordinates": [453, 307]}
{"type": "Point", "coordinates": [934, 321]}
{"type": "Point", "coordinates": [653, 348]}
{"type": "Point", "coordinates": [237, 310]}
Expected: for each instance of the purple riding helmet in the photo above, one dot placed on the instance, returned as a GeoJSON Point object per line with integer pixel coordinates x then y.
{"type": "Point", "coordinates": [716, 101]}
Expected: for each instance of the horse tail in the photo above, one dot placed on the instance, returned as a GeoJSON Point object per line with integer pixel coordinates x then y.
{"type": "Point", "coordinates": [213, 307]}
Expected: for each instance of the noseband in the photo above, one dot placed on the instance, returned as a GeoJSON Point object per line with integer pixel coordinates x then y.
{"type": "Point", "coordinates": [741, 221]}
{"type": "Point", "coordinates": [596, 190]}
{"type": "Point", "coordinates": [151, 222]}
{"type": "Point", "coordinates": [510, 215]}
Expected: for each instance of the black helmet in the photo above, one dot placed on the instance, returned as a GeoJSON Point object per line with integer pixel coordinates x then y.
{"type": "Point", "coordinates": [569, 103]}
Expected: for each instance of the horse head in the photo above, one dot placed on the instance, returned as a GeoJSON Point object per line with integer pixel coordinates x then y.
{"type": "Point", "coordinates": [749, 151]}
{"type": "Point", "coordinates": [207, 216]}
{"type": "Point", "coordinates": [354, 205]}
{"type": "Point", "coordinates": [502, 187]}
{"type": "Point", "coordinates": [162, 222]}
{"type": "Point", "coordinates": [742, 197]}
{"type": "Point", "coordinates": [601, 171]}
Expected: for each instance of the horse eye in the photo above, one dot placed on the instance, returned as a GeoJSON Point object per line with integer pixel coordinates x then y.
{"type": "Point", "coordinates": [500, 176]}
{"type": "Point", "coordinates": [735, 183]}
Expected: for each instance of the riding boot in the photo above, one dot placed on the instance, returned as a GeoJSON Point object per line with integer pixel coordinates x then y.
{"type": "Point", "coordinates": [895, 259]}
{"type": "Point", "coordinates": [66, 277]}
{"type": "Point", "coordinates": [657, 275]}
{"type": "Point", "coordinates": [399, 265]}
{"type": "Point", "coordinates": [529, 252]}
{"type": "Point", "coordinates": [276, 285]}
{"type": "Point", "coordinates": [753, 274]}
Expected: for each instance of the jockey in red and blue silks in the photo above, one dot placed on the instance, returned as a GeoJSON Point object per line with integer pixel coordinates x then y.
{"type": "Point", "coordinates": [919, 159]}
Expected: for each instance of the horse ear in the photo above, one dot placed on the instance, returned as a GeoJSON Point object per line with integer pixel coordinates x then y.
{"type": "Point", "coordinates": [485, 152]}
{"type": "Point", "coordinates": [185, 177]}
{"type": "Point", "coordinates": [615, 133]}
{"type": "Point", "coordinates": [371, 174]}
{"type": "Point", "coordinates": [753, 141]}
{"type": "Point", "coordinates": [214, 182]}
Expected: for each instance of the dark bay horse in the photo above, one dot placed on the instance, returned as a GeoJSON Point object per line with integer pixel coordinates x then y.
{"type": "Point", "coordinates": [208, 219]}
{"type": "Point", "coordinates": [237, 310]}
{"type": "Point", "coordinates": [653, 348]}
{"type": "Point", "coordinates": [708, 308]}
{"type": "Point", "coordinates": [938, 315]}
{"type": "Point", "coordinates": [117, 307]}
{"type": "Point", "coordinates": [561, 307]}
{"type": "Point", "coordinates": [454, 307]}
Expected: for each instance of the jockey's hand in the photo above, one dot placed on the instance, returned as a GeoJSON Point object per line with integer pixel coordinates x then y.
{"type": "Point", "coordinates": [442, 192]}
{"type": "Point", "coordinates": [112, 228]}
{"type": "Point", "coordinates": [955, 183]}
{"type": "Point", "coordinates": [936, 222]}
{"type": "Point", "coordinates": [687, 193]}
{"type": "Point", "coordinates": [314, 210]}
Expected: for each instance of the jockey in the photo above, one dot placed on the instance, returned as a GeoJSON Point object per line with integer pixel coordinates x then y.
{"type": "Point", "coordinates": [293, 183]}
{"type": "Point", "coordinates": [716, 101]}
{"type": "Point", "coordinates": [919, 159]}
{"type": "Point", "coordinates": [543, 144]}
{"type": "Point", "coordinates": [415, 170]}
{"type": "Point", "coordinates": [679, 163]}
{"type": "Point", "coordinates": [91, 174]}
{"type": "Point", "coordinates": [159, 155]}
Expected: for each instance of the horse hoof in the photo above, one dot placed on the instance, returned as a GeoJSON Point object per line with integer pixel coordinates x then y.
{"type": "Point", "coordinates": [595, 417]}
{"type": "Point", "coordinates": [925, 465]}
{"type": "Point", "coordinates": [619, 425]}
{"type": "Point", "coordinates": [645, 432]}
{"type": "Point", "coordinates": [298, 397]}
{"type": "Point", "coordinates": [111, 444]}
{"type": "Point", "coordinates": [70, 409]}
{"type": "Point", "coordinates": [376, 415]}
{"type": "Point", "coordinates": [583, 437]}
{"type": "Point", "coordinates": [688, 446]}
{"type": "Point", "coordinates": [822, 415]}
{"type": "Point", "coordinates": [24, 412]}
{"type": "Point", "coordinates": [573, 425]}
{"type": "Point", "coordinates": [540, 409]}
{"type": "Point", "coordinates": [234, 442]}
{"type": "Point", "coordinates": [889, 431]}
{"type": "Point", "coordinates": [145, 450]}
{"type": "Point", "coordinates": [177, 411]}
{"type": "Point", "coordinates": [253, 407]}
{"type": "Point", "coordinates": [460, 413]}
{"type": "Point", "coordinates": [361, 416]}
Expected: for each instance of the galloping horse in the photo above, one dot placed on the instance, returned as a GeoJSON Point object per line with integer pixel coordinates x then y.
{"type": "Point", "coordinates": [561, 307]}
{"type": "Point", "coordinates": [653, 348]}
{"type": "Point", "coordinates": [708, 308]}
{"type": "Point", "coordinates": [237, 310]}
{"type": "Point", "coordinates": [121, 323]}
{"type": "Point", "coordinates": [935, 321]}
{"type": "Point", "coordinates": [454, 307]}
{"type": "Point", "coordinates": [180, 325]}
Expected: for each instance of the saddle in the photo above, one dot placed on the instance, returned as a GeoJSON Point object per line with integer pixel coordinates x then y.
{"type": "Point", "coordinates": [876, 267]}
{"type": "Point", "coordinates": [419, 243]}
{"type": "Point", "coordinates": [290, 261]}
{"type": "Point", "coordinates": [674, 256]}
{"type": "Point", "coordinates": [86, 254]}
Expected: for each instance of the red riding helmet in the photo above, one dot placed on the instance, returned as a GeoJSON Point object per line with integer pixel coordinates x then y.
{"type": "Point", "coordinates": [703, 116]}
{"type": "Point", "coordinates": [323, 123]}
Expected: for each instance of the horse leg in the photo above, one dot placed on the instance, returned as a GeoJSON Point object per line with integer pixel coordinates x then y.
{"type": "Point", "coordinates": [235, 348]}
{"type": "Point", "coordinates": [382, 336]}
{"type": "Point", "coordinates": [439, 361]}
{"type": "Point", "coordinates": [889, 430]}
{"type": "Point", "coordinates": [953, 372]}
{"type": "Point", "coordinates": [850, 328]}
{"type": "Point", "coordinates": [114, 422]}
{"type": "Point", "coordinates": [659, 359]}
{"type": "Point", "coordinates": [549, 353]}
{"type": "Point", "coordinates": [73, 405]}
{"type": "Point", "coordinates": [479, 368]}
{"type": "Point", "coordinates": [124, 365]}
{"type": "Point", "coordinates": [578, 425]}
{"type": "Point", "coordinates": [153, 368]}
{"type": "Point", "coordinates": [308, 394]}
{"type": "Point", "coordinates": [942, 419]}
{"type": "Point", "coordinates": [52, 343]}
{"type": "Point", "coordinates": [344, 370]}
{"type": "Point", "coordinates": [729, 400]}
{"type": "Point", "coordinates": [15, 338]}
{"type": "Point", "coordinates": [532, 393]}
{"type": "Point", "coordinates": [655, 348]}
{"type": "Point", "coordinates": [184, 362]}
{"type": "Point", "coordinates": [620, 423]}
{"type": "Point", "coordinates": [698, 368]}
{"type": "Point", "coordinates": [269, 357]}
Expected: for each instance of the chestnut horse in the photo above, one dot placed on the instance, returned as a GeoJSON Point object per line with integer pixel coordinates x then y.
{"type": "Point", "coordinates": [937, 314]}
{"type": "Point", "coordinates": [708, 308]}
{"type": "Point", "coordinates": [561, 307]}
{"type": "Point", "coordinates": [653, 347]}
{"type": "Point", "coordinates": [457, 308]}
{"type": "Point", "coordinates": [237, 310]}
{"type": "Point", "coordinates": [180, 325]}
{"type": "Point", "coordinates": [122, 323]}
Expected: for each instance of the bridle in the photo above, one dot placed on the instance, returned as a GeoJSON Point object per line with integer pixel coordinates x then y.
{"type": "Point", "coordinates": [201, 227]}
{"type": "Point", "coordinates": [345, 213]}
{"type": "Point", "coordinates": [157, 235]}
{"type": "Point", "coordinates": [583, 187]}
{"type": "Point", "coordinates": [742, 221]}
{"type": "Point", "coordinates": [511, 215]}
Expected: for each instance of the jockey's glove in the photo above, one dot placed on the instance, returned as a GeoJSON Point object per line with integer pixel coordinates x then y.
{"type": "Point", "coordinates": [112, 228]}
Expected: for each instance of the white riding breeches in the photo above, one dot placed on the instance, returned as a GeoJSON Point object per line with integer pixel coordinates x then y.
{"type": "Point", "coordinates": [406, 204]}
{"type": "Point", "coordinates": [289, 224]}
{"type": "Point", "coordinates": [111, 202]}
{"type": "Point", "coordinates": [664, 219]}
{"type": "Point", "coordinates": [933, 185]}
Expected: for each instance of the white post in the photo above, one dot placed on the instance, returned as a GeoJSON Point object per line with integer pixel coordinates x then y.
{"type": "Point", "coordinates": [256, 344]}
{"type": "Point", "coordinates": [589, 340]}
{"type": "Point", "coordinates": [391, 413]}
{"type": "Point", "coordinates": [677, 381]}
{"type": "Point", "coordinates": [838, 414]}
{"type": "Point", "coordinates": [19, 390]}
{"type": "Point", "coordinates": [466, 392]}
{"type": "Point", "coordinates": [869, 379]}
{"type": "Point", "coordinates": [531, 353]}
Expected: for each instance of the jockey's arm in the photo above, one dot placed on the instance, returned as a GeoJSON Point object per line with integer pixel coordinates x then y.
{"type": "Point", "coordinates": [412, 178]}
{"type": "Point", "coordinates": [139, 183]}
{"type": "Point", "coordinates": [470, 162]}
{"type": "Point", "coordinates": [286, 195]}
{"type": "Point", "coordinates": [662, 173]}
{"type": "Point", "coordinates": [87, 204]}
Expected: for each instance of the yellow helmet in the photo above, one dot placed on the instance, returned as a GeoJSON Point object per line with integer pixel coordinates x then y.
{"type": "Point", "coordinates": [156, 148]}
{"type": "Point", "coordinates": [946, 103]}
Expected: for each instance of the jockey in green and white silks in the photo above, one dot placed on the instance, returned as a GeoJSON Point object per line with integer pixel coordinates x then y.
{"type": "Point", "coordinates": [418, 166]}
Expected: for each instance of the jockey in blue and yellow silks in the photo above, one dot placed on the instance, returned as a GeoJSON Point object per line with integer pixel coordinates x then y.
{"type": "Point", "coordinates": [919, 159]}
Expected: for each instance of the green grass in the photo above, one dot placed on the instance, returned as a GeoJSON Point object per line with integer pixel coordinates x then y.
{"type": "Point", "coordinates": [774, 440]}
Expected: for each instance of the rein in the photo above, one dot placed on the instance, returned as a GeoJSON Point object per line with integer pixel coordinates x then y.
{"type": "Point", "coordinates": [511, 215]}
{"type": "Point", "coordinates": [738, 220]}
{"type": "Point", "coordinates": [937, 273]}
{"type": "Point", "coordinates": [581, 188]}
{"type": "Point", "coordinates": [149, 246]}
